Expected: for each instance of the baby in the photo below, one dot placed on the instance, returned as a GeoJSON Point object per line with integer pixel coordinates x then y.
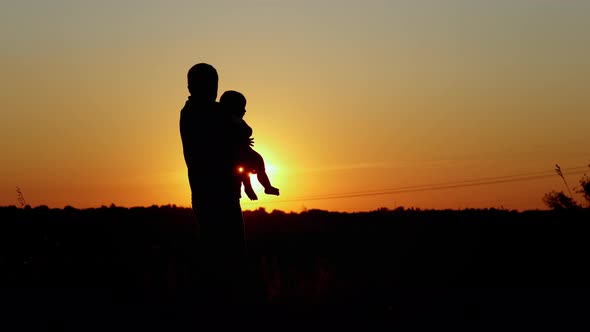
{"type": "Point", "coordinates": [251, 162]}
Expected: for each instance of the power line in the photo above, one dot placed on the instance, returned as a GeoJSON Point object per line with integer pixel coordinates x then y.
{"type": "Point", "coordinates": [495, 178]}
{"type": "Point", "coordinates": [437, 186]}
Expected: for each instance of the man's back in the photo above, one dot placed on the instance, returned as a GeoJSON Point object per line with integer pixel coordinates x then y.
{"type": "Point", "coordinates": [208, 146]}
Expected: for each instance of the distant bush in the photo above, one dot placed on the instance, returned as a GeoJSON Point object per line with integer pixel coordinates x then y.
{"type": "Point", "coordinates": [560, 201]}
{"type": "Point", "coordinates": [585, 187]}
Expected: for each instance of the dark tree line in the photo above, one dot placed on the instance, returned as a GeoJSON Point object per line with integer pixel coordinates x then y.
{"type": "Point", "coordinates": [383, 263]}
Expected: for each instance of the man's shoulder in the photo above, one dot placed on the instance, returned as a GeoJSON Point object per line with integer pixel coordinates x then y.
{"type": "Point", "coordinates": [201, 118]}
{"type": "Point", "coordinates": [195, 109]}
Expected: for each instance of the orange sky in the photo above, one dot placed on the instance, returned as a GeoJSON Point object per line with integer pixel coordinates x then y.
{"type": "Point", "coordinates": [343, 96]}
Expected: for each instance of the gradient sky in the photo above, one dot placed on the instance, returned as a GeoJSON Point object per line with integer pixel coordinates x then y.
{"type": "Point", "coordinates": [343, 96]}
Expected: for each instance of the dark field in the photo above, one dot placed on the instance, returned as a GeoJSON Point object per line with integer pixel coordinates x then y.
{"type": "Point", "coordinates": [133, 269]}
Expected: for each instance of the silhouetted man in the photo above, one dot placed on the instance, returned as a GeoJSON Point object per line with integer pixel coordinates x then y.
{"type": "Point", "coordinates": [209, 144]}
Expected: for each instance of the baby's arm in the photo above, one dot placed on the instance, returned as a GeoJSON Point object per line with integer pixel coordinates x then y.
{"type": "Point", "coordinates": [247, 133]}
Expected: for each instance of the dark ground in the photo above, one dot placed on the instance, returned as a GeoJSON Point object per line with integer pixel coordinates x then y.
{"type": "Point", "coordinates": [134, 269]}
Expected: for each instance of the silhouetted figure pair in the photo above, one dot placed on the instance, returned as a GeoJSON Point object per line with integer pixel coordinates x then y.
{"type": "Point", "coordinates": [216, 145]}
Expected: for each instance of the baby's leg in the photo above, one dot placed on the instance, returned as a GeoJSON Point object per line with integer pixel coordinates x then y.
{"type": "Point", "coordinates": [257, 163]}
{"type": "Point", "coordinates": [248, 188]}
{"type": "Point", "coordinates": [265, 182]}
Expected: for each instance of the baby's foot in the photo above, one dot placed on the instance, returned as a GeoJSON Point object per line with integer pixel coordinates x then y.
{"type": "Point", "coordinates": [271, 191]}
{"type": "Point", "coordinates": [251, 195]}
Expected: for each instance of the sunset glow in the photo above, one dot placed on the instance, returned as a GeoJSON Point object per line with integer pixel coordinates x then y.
{"type": "Point", "coordinates": [355, 105]}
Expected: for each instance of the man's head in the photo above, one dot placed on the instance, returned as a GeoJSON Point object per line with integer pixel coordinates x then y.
{"type": "Point", "coordinates": [202, 82]}
{"type": "Point", "coordinates": [234, 102]}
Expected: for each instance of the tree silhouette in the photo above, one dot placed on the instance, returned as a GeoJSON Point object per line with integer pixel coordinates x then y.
{"type": "Point", "coordinates": [585, 187]}
{"type": "Point", "coordinates": [560, 201]}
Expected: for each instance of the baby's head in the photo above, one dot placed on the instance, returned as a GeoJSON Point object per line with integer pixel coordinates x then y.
{"type": "Point", "coordinates": [233, 102]}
